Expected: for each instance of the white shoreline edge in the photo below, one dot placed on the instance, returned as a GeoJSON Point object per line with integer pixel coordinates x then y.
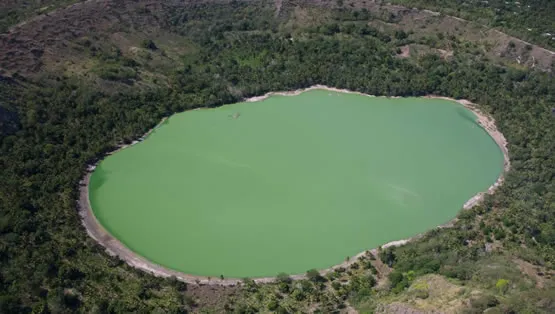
{"type": "Point", "coordinates": [115, 248]}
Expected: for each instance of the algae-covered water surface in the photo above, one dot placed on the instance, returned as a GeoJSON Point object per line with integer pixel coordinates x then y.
{"type": "Point", "coordinates": [293, 182]}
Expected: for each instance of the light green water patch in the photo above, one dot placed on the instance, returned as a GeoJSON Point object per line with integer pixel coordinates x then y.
{"type": "Point", "coordinates": [293, 182]}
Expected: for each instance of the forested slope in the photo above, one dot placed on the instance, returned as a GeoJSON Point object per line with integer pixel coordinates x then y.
{"type": "Point", "coordinates": [530, 20]}
{"type": "Point", "coordinates": [96, 85]}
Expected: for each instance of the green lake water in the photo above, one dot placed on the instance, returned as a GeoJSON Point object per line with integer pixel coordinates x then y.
{"type": "Point", "coordinates": [292, 183]}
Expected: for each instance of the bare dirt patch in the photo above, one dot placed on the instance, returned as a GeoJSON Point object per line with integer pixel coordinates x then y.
{"type": "Point", "coordinates": [537, 273]}
{"type": "Point", "coordinates": [211, 298]}
{"type": "Point", "coordinates": [428, 294]}
{"type": "Point", "coordinates": [405, 52]}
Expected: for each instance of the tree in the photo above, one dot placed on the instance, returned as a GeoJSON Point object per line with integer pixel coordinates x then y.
{"type": "Point", "coordinates": [273, 303]}
{"type": "Point", "coordinates": [400, 35]}
{"type": "Point", "coordinates": [283, 278]}
{"type": "Point", "coordinates": [313, 275]}
{"type": "Point", "coordinates": [149, 44]}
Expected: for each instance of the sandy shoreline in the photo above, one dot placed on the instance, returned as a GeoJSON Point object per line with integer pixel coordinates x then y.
{"type": "Point", "coordinates": [115, 248]}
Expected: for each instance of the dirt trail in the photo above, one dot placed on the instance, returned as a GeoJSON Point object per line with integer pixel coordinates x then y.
{"type": "Point", "coordinates": [278, 6]}
{"type": "Point", "coordinates": [435, 13]}
{"type": "Point", "coordinates": [115, 247]}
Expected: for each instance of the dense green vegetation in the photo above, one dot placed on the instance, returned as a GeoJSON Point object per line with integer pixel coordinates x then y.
{"type": "Point", "coordinates": [530, 20]}
{"type": "Point", "coordinates": [60, 123]}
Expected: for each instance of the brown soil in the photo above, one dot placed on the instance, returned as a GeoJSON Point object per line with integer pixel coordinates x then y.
{"type": "Point", "coordinates": [540, 275]}
{"type": "Point", "coordinates": [211, 298]}
{"type": "Point", "coordinates": [61, 39]}
{"type": "Point", "coordinates": [425, 23]}
{"type": "Point", "coordinates": [64, 38]}
{"type": "Point", "coordinates": [405, 52]}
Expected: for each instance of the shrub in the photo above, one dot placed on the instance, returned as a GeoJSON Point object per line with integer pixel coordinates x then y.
{"type": "Point", "coordinates": [502, 285]}
{"type": "Point", "coordinates": [298, 295]}
{"type": "Point", "coordinates": [499, 233]}
{"type": "Point", "coordinates": [420, 290]}
{"type": "Point", "coordinates": [313, 275]}
{"type": "Point", "coordinates": [484, 302]}
{"type": "Point", "coordinates": [283, 287]}
{"type": "Point", "coordinates": [410, 275]}
{"type": "Point", "coordinates": [273, 304]}
{"type": "Point", "coordinates": [149, 44]}
{"type": "Point", "coordinates": [421, 294]}
{"type": "Point", "coordinates": [400, 35]}
{"type": "Point", "coordinates": [283, 277]}
{"type": "Point", "coordinates": [388, 257]}
{"type": "Point", "coordinates": [116, 73]}
{"type": "Point", "coordinates": [468, 214]}
{"type": "Point", "coordinates": [398, 281]}
{"type": "Point", "coordinates": [395, 277]}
